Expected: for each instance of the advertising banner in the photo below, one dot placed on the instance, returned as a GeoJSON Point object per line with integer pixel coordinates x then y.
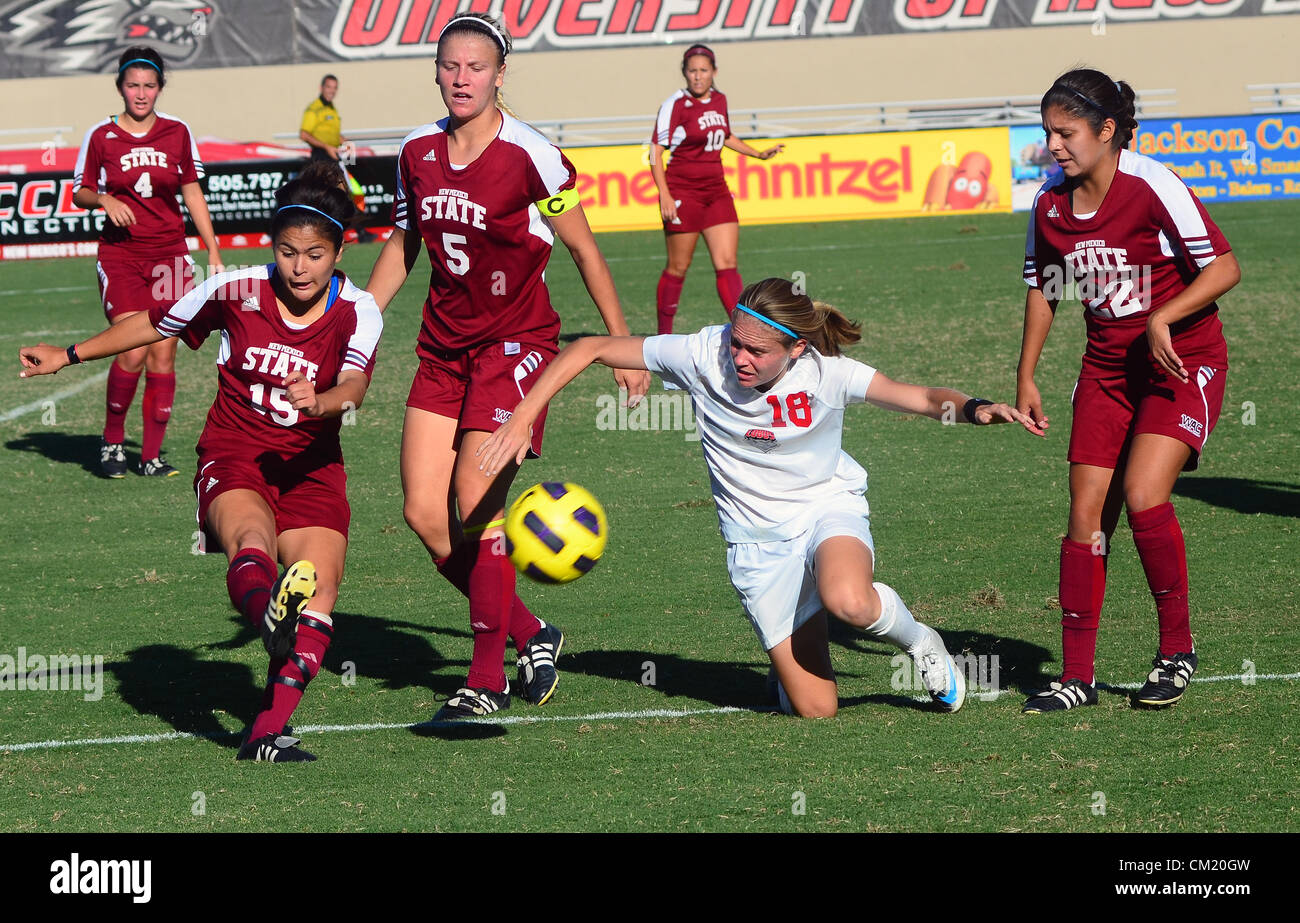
{"type": "Point", "coordinates": [46, 38]}
{"type": "Point", "coordinates": [1243, 158]}
{"type": "Point", "coordinates": [823, 178]}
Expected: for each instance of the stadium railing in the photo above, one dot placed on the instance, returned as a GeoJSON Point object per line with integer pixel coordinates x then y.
{"type": "Point", "coordinates": [34, 137]}
{"type": "Point", "coordinates": [1274, 97]}
{"type": "Point", "coordinates": [849, 118]}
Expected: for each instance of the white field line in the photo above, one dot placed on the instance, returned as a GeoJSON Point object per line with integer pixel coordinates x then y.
{"type": "Point", "coordinates": [532, 719]}
{"type": "Point", "coordinates": [32, 336]}
{"type": "Point", "coordinates": [46, 291]}
{"type": "Point", "coordinates": [56, 396]}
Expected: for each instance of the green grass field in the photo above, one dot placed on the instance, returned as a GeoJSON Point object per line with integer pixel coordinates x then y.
{"type": "Point", "coordinates": [967, 524]}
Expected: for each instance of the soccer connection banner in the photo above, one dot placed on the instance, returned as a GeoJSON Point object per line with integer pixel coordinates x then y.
{"type": "Point", "coordinates": [45, 38]}
{"type": "Point", "coordinates": [823, 178]}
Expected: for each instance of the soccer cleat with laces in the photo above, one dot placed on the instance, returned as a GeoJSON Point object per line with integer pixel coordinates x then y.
{"type": "Point", "coordinates": [1168, 681]}
{"type": "Point", "coordinates": [537, 675]}
{"type": "Point", "coordinates": [939, 672]}
{"type": "Point", "coordinates": [1060, 697]}
{"type": "Point", "coordinates": [274, 748]}
{"type": "Point", "coordinates": [158, 468]}
{"type": "Point", "coordinates": [112, 460]}
{"type": "Point", "coordinates": [289, 596]}
{"type": "Point", "coordinates": [473, 703]}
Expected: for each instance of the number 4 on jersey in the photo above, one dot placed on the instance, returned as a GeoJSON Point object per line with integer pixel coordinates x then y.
{"type": "Point", "coordinates": [144, 186]}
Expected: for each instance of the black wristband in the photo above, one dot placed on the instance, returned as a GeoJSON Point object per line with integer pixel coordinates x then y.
{"type": "Point", "coordinates": [969, 409]}
{"type": "Point", "coordinates": [73, 358]}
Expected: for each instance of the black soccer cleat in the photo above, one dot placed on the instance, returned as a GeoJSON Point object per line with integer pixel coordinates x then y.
{"type": "Point", "coordinates": [537, 675]}
{"type": "Point", "coordinates": [1061, 697]}
{"type": "Point", "coordinates": [289, 596]}
{"type": "Point", "coordinates": [1167, 682]}
{"type": "Point", "coordinates": [157, 468]}
{"type": "Point", "coordinates": [112, 459]}
{"type": "Point", "coordinates": [274, 748]}
{"type": "Point", "coordinates": [473, 703]}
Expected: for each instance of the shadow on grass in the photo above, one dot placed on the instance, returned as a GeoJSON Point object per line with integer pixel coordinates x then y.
{"type": "Point", "coordinates": [170, 683]}
{"type": "Point", "coordinates": [736, 685]}
{"type": "Point", "coordinates": [1276, 498]}
{"type": "Point", "coordinates": [69, 449]}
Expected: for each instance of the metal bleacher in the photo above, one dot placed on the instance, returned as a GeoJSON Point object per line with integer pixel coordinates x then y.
{"type": "Point", "coordinates": [1274, 97]}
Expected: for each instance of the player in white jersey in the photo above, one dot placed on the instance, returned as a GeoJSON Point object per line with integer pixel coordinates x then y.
{"type": "Point", "coordinates": [769, 391]}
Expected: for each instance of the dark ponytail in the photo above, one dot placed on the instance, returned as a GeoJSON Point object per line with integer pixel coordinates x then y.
{"type": "Point", "coordinates": [320, 200]}
{"type": "Point", "coordinates": [140, 56]}
{"type": "Point", "coordinates": [1092, 96]}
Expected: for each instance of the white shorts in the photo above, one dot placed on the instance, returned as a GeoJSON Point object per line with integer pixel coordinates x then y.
{"type": "Point", "coordinates": [777, 581]}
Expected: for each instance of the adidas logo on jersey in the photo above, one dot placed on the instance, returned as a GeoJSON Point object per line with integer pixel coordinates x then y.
{"type": "Point", "coordinates": [1053, 213]}
{"type": "Point", "coordinates": [250, 304]}
{"type": "Point", "coordinates": [212, 482]}
{"type": "Point", "coordinates": [431, 156]}
{"type": "Point", "coordinates": [110, 136]}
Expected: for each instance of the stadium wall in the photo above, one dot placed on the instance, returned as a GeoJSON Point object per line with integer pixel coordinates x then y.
{"type": "Point", "coordinates": [1208, 64]}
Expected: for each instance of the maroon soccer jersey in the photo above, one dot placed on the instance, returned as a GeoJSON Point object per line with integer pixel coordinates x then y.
{"type": "Point", "coordinates": [251, 414]}
{"type": "Point", "coordinates": [487, 239]}
{"type": "Point", "coordinates": [694, 132]}
{"type": "Point", "coordinates": [1143, 246]}
{"type": "Point", "coordinates": [145, 172]}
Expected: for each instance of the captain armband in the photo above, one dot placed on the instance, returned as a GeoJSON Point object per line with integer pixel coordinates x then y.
{"type": "Point", "coordinates": [559, 203]}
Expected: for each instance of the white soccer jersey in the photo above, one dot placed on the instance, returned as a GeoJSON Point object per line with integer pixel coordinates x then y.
{"type": "Point", "coordinates": [774, 457]}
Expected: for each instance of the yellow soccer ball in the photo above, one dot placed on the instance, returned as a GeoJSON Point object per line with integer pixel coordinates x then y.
{"type": "Point", "coordinates": [555, 532]}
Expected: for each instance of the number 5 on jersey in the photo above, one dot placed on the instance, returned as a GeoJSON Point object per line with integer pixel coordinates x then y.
{"type": "Point", "coordinates": [457, 259]}
{"type": "Point", "coordinates": [279, 408]}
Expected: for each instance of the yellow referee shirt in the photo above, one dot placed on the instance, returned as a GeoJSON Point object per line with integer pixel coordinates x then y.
{"type": "Point", "coordinates": [321, 121]}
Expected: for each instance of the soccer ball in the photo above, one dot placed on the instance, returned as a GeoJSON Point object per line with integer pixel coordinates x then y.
{"type": "Point", "coordinates": [555, 532]}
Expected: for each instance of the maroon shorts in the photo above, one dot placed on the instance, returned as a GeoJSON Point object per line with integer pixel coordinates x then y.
{"type": "Point", "coordinates": [127, 286]}
{"type": "Point", "coordinates": [701, 205]}
{"type": "Point", "coordinates": [1109, 412]}
{"type": "Point", "coordinates": [300, 496]}
{"type": "Point", "coordinates": [480, 387]}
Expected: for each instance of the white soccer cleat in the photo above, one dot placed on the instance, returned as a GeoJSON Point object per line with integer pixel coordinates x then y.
{"type": "Point", "coordinates": [939, 672]}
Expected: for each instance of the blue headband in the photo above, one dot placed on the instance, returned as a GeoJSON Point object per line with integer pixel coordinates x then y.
{"type": "Point", "coordinates": [145, 61]}
{"type": "Point", "coordinates": [1092, 102]}
{"type": "Point", "coordinates": [767, 320]}
{"type": "Point", "coordinates": [332, 221]}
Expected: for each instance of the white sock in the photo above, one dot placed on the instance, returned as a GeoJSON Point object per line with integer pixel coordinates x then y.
{"type": "Point", "coordinates": [319, 616]}
{"type": "Point", "coordinates": [895, 624]}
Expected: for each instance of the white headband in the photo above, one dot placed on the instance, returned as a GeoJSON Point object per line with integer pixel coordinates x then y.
{"type": "Point", "coordinates": [481, 24]}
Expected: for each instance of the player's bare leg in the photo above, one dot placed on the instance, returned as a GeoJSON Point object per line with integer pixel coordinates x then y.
{"type": "Point", "coordinates": [681, 249]}
{"type": "Point", "coordinates": [1154, 464]}
{"type": "Point", "coordinates": [847, 590]}
{"type": "Point", "coordinates": [427, 462]}
{"type": "Point", "coordinates": [802, 663]}
{"type": "Point", "coordinates": [723, 241]}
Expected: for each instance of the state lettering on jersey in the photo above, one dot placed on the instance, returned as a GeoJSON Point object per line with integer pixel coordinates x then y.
{"type": "Point", "coordinates": [278, 360]}
{"type": "Point", "coordinates": [1103, 280]}
{"type": "Point", "coordinates": [453, 205]}
{"type": "Point", "coordinates": [142, 157]}
{"type": "Point", "coordinates": [712, 119]}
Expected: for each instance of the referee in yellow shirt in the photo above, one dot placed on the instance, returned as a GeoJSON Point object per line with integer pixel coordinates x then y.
{"type": "Point", "coordinates": [321, 127]}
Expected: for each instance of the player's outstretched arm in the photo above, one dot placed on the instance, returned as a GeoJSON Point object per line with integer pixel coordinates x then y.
{"type": "Point", "coordinates": [1039, 313]}
{"type": "Point", "coordinates": [740, 147]}
{"type": "Point", "coordinates": [393, 265]}
{"type": "Point", "coordinates": [944, 404]}
{"type": "Point", "coordinates": [132, 332]}
{"type": "Point", "coordinates": [573, 229]}
{"type": "Point", "coordinates": [511, 439]}
{"type": "Point", "coordinates": [197, 205]}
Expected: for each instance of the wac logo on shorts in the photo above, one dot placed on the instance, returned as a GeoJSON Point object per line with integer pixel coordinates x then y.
{"type": "Point", "coordinates": [1192, 425]}
{"type": "Point", "coordinates": [764, 440]}
{"type": "Point", "coordinates": [501, 416]}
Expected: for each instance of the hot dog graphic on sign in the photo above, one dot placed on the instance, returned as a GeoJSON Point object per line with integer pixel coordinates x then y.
{"type": "Point", "coordinates": [964, 187]}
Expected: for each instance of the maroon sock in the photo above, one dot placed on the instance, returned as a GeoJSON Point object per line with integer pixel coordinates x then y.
{"type": "Point", "coordinates": [1159, 540]}
{"type": "Point", "coordinates": [159, 391]}
{"type": "Point", "coordinates": [729, 288]}
{"type": "Point", "coordinates": [287, 682]}
{"type": "Point", "coordinates": [249, 580]}
{"type": "Point", "coordinates": [491, 597]}
{"type": "Point", "coordinates": [121, 391]}
{"type": "Point", "coordinates": [667, 296]}
{"type": "Point", "coordinates": [1082, 589]}
{"type": "Point", "coordinates": [456, 568]}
